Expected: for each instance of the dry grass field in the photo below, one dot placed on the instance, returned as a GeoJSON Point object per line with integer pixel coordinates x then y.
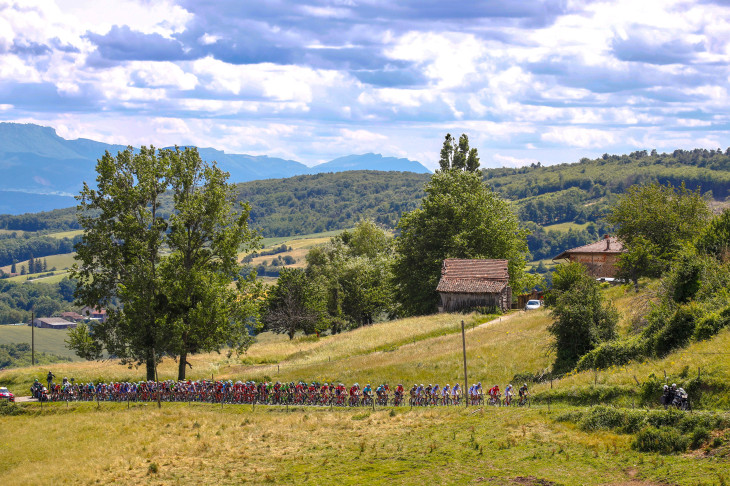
{"type": "Point", "coordinates": [208, 444]}
{"type": "Point", "coordinates": [236, 444]}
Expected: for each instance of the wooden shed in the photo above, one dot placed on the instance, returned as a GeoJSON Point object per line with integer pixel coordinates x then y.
{"type": "Point", "coordinates": [470, 283]}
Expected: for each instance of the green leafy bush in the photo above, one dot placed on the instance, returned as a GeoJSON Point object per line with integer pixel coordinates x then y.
{"type": "Point", "coordinates": [602, 418]}
{"type": "Point", "coordinates": [7, 408]}
{"type": "Point", "coordinates": [614, 353]}
{"type": "Point", "coordinates": [700, 435]}
{"type": "Point", "coordinates": [680, 328]}
{"type": "Point", "coordinates": [711, 324]}
{"type": "Point", "coordinates": [665, 441]}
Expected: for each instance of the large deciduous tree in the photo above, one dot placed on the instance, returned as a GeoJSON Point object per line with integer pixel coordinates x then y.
{"type": "Point", "coordinates": [355, 268]}
{"type": "Point", "coordinates": [460, 217]}
{"type": "Point", "coordinates": [204, 238]}
{"type": "Point", "coordinates": [163, 275]}
{"type": "Point", "coordinates": [119, 256]}
{"type": "Point", "coordinates": [653, 221]}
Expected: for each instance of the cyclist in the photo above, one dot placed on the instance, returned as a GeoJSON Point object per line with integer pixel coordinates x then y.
{"type": "Point", "coordinates": [435, 394]}
{"type": "Point", "coordinates": [445, 393]}
{"type": "Point", "coordinates": [366, 392]}
{"type": "Point", "coordinates": [494, 393]}
{"type": "Point", "coordinates": [380, 392]}
{"type": "Point", "coordinates": [399, 393]}
{"type": "Point", "coordinates": [508, 392]}
{"type": "Point", "coordinates": [523, 392]}
{"type": "Point", "coordinates": [455, 392]}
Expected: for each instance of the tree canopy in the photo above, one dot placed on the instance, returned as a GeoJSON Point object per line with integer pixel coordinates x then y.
{"type": "Point", "coordinates": [653, 221]}
{"type": "Point", "coordinates": [460, 217]}
{"type": "Point", "coordinates": [162, 276]}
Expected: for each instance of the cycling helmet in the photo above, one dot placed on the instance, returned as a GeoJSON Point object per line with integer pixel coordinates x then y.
{"type": "Point", "coordinates": [524, 384]}
{"type": "Point", "coordinates": [666, 387]}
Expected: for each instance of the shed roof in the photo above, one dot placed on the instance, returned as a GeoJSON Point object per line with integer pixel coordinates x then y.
{"type": "Point", "coordinates": [53, 321]}
{"type": "Point", "coordinates": [608, 244]}
{"type": "Point", "coordinates": [475, 269]}
{"type": "Point", "coordinates": [470, 286]}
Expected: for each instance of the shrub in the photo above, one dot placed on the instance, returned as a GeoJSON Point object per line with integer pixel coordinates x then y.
{"type": "Point", "coordinates": [664, 418]}
{"type": "Point", "coordinates": [651, 390]}
{"type": "Point", "coordinates": [710, 325]}
{"type": "Point", "coordinates": [614, 353]}
{"type": "Point", "coordinates": [665, 441]}
{"type": "Point", "coordinates": [678, 330]}
{"type": "Point", "coordinates": [602, 418]}
{"type": "Point", "coordinates": [7, 408]}
{"type": "Point", "coordinates": [700, 435]}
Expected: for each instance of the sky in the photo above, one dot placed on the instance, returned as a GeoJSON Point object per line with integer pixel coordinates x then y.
{"type": "Point", "coordinates": [527, 81]}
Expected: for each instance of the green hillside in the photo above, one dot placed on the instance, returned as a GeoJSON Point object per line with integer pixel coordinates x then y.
{"type": "Point", "coordinates": [563, 440]}
{"type": "Point", "coordinates": [46, 340]}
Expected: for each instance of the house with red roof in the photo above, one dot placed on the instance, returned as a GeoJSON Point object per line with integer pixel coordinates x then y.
{"type": "Point", "coordinates": [600, 257]}
{"type": "Point", "coordinates": [472, 283]}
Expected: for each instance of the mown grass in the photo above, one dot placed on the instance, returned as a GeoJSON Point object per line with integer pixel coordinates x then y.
{"type": "Point", "coordinates": [66, 234]}
{"type": "Point", "coordinates": [566, 226]}
{"type": "Point", "coordinates": [46, 340]}
{"type": "Point", "coordinates": [61, 262]}
{"type": "Point", "coordinates": [296, 241]}
{"type": "Point", "coordinates": [206, 444]}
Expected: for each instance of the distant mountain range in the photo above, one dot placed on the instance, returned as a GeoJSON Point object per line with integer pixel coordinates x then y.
{"type": "Point", "coordinates": [42, 170]}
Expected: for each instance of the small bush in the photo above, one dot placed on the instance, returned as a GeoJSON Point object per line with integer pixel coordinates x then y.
{"type": "Point", "coordinates": [7, 408]}
{"type": "Point", "coordinates": [664, 441]}
{"type": "Point", "coordinates": [700, 435]}
{"type": "Point", "coordinates": [679, 329]}
{"type": "Point", "coordinates": [602, 418]}
{"type": "Point", "coordinates": [153, 468]}
{"type": "Point", "coordinates": [614, 353]}
{"type": "Point", "coordinates": [665, 418]}
{"type": "Point", "coordinates": [710, 325]}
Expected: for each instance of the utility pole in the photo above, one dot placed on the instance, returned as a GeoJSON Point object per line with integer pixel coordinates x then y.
{"type": "Point", "coordinates": [466, 383]}
{"type": "Point", "coordinates": [32, 337]}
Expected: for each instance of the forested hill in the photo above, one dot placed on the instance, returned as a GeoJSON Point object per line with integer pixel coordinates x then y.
{"type": "Point", "coordinates": [581, 192]}
{"type": "Point", "coordinates": [323, 202]}
{"type": "Point", "coordinates": [543, 196]}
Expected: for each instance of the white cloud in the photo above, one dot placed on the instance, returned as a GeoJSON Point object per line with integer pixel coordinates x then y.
{"type": "Point", "coordinates": [579, 137]}
{"type": "Point", "coordinates": [509, 161]}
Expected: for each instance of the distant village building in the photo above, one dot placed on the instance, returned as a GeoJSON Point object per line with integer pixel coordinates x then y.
{"type": "Point", "coordinates": [467, 284]}
{"type": "Point", "coordinates": [53, 323]}
{"type": "Point", "coordinates": [95, 314]}
{"type": "Point", "coordinates": [600, 257]}
{"type": "Point", "coordinates": [72, 316]}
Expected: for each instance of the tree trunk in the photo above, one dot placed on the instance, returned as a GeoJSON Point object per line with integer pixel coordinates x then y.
{"type": "Point", "coordinates": [182, 365]}
{"type": "Point", "coordinates": [150, 368]}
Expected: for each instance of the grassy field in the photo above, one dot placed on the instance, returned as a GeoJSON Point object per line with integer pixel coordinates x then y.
{"type": "Point", "coordinates": [61, 262]}
{"type": "Point", "coordinates": [233, 444]}
{"type": "Point", "coordinates": [300, 246]}
{"type": "Point", "coordinates": [290, 240]}
{"type": "Point", "coordinates": [566, 226]}
{"type": "Point", "coordinates": [205, 444]}
{"type": "Point", "coordinates": [66, 234]}
{"type": "Point", "coordinates": [46, 340]}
